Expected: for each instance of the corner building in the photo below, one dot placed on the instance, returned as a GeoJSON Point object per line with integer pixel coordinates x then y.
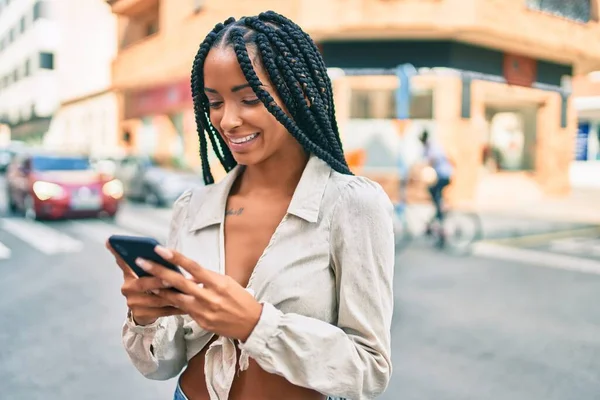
{"type": "Point", "coordinates": [490, 79]}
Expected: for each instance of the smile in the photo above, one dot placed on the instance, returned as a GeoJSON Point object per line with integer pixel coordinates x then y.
{"type": "Point", "coordinates": [243, 139]}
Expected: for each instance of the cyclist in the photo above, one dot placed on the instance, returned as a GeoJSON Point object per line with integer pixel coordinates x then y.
{"type": "Point", "coordinates": [436, 157]}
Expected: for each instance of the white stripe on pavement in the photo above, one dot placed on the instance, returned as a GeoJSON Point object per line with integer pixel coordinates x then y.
{"type": "Point", "coordinates": [42, 237]}
{"type": "Point", "coordinates": [158, 228]}
{"type": "Point", "coordinates": [536, 257]}
{"type": "Point", "coordinates": [98, 230]}
{"type": "Point", "coordinates": [4, 252]}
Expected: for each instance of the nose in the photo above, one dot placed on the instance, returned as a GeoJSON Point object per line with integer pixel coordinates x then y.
{"type": "Point", "coordinates": [231, 118]}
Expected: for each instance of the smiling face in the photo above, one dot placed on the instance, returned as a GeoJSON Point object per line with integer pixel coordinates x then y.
{"type": "Point", "coordinates": [252, 134]}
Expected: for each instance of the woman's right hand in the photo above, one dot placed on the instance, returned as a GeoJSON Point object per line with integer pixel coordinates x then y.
{"type": "Point", "coordinates": [145, 307]}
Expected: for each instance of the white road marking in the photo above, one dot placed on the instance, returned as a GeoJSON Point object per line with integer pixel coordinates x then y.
{"type": "Point", "coordinates": [144, 224]}
{"type": "Point", "coordinates": [42, 237]}
{"type": "Point", "coordinates": [536, 257]}
{"type": "Point", "coordinates": [98, 230]}
{"type": "Point", "coordinates": [5, 252]}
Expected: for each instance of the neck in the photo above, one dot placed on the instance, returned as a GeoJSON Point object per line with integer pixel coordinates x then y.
{"type": "Point", "coordinates": [279, 174]}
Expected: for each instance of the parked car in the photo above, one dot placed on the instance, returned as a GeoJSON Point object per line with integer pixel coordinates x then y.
{"type": "Point", "coordinates": [52, 186]}
{"type": "Point", "coordinates": [157, 185]}
{"type": "Point", "coordinates": [8, 153]}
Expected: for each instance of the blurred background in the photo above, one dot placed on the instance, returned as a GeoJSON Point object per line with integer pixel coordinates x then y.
{"type": "Point", "coordinates": [97, 136]}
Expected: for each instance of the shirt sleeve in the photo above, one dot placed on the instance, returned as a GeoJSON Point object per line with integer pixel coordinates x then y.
{"type": "Point", "coordinates": [158, 350]}
{"type": "Point", "coordinates": [351, 360]}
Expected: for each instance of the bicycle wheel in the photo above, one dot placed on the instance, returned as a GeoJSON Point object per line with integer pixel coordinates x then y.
{"type": "Point", "coordinates": [461, 230]}
{"type": "Point", "coordinates": [402, 233]}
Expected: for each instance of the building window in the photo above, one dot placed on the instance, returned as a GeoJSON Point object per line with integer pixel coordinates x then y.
{"type": "Point", "coordinates": [198, 5]}
{"type": "Point", "coordinates": [47, 60]}
{"type": "Point", "coordinates": [511, 138]}
{"type": "Point", "coordinates": [15, 75]}
{"type": "Point", "coordinates": [587, 142]}
{"type": "Point", "coordinates": [11, 36]}
{"type": "Point", "coordinates": [576, 10]}
{"type": "Point", "coordinates": [22, 25]}
{"type": "Point", "coordinates": [141, 25]}
{"type": "Point", "coordinates": [152, 27]}
{"type": "Point", "coordinates": [381, 104]}
{"type": "Point", "coordinates": [41, 9]}
{"type": "Point", "coordinates": [27, 68]}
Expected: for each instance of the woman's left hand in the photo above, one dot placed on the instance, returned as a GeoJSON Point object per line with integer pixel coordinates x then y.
{"type": "Point", "coordinates": [220, 305]}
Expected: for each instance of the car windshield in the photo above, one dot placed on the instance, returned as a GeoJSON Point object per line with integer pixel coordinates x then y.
{"type": "Point", "coordinates": [46, 163]}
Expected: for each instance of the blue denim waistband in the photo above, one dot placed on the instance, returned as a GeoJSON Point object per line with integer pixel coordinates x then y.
{"type": "Point", "coordinates": [179, 395]}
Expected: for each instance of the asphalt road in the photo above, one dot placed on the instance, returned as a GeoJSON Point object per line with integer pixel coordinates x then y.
{"type": "Point", "coordinates": [478, 327]}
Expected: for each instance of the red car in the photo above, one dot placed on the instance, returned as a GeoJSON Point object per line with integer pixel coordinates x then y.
{"type": "Point", "coordinates": [49, 186]}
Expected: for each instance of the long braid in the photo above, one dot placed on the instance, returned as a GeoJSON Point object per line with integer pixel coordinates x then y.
{"type": "Point", "coordinates": [203, 123]}
{"type": "Point", "coordinates": [297, 71]}
{"type": "Point", "coordinates": [315, 57]}
{"type": "Point", "coordinates": [286, 45]}
{"type": "Point", "coordinates": [246, 65]}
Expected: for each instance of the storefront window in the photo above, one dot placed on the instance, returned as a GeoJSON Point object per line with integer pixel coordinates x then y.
{"type": "Point", "coordinates": [577, 10]}
{"type": "Point", "coordinates": [587, 142]}
{"type": "Point", "coordinates": [511, 140]}
{"type": "Point", "coordinates": [381, 104]}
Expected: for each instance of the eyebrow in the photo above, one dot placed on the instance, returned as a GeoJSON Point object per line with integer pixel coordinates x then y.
{"type": "Point", "coordinates": [233, 89]}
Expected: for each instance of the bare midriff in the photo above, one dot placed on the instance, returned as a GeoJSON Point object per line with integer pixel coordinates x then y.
{"type": "Point", "coordinates": [253, 383]}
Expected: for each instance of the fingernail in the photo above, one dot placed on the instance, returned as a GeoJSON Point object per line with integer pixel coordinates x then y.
{"type": "Point", "coordinates": [143, 264]}
{"type": "Point", "coordinates": [163, 252]}
{"type": "Point", "coordinates": [166, 284]}
{"type": "Point", "coordinates": [155, 291]}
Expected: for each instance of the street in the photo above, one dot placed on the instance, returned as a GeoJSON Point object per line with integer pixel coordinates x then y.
{"type": "Point", "coordinates": [479, 327]}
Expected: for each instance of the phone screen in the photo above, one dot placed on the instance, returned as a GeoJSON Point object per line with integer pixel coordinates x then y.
{"type": "Point", "coordinates": [132, 247]}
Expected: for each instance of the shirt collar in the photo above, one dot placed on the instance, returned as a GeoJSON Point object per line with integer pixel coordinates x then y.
{"type": "Point", "coordinates": [207, 206]}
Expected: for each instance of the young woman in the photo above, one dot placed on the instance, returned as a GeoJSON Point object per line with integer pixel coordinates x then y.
{"type": "Point", "coordinates": [289, 259]}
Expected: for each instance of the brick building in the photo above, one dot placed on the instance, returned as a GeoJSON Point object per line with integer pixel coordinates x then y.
{"type": "Point", "coordinates": [489, 78]}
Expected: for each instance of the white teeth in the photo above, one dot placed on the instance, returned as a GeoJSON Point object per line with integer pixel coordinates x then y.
{"type": "Point", "coordinates": [243, 139]}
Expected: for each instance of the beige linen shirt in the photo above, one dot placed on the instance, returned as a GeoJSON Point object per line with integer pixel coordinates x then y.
{"type": "Point", "coordinates": [325, 282]}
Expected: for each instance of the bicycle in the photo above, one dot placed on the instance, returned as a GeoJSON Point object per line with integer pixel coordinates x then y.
{"type": "Point", "coordinates": [456, 234]}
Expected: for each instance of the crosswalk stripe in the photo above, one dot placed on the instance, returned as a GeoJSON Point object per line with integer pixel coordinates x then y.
{"type": "Point", "coordinates": [42, 237]}
{"type": "Point", "coordinates": [157, 228]}
{"type": "Point", "coordinates": [4, 252]}
{"type": "Point", "coordinates": [98, 230]}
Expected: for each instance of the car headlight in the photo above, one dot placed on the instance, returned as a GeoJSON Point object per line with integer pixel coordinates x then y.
{"type": "Point", "coordinates": [47, 190]}
{"type": "Point", "coordinates": [113, 189]}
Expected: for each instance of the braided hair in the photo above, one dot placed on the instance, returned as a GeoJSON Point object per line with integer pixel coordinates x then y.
{"type": "Point", "coordinates": [296, 69]}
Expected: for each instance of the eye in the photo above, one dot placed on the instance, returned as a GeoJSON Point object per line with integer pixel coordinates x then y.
{"type": "Point", "coordinates": [215, 104]}
{"type": "Point", "coordinates": [251, 102]}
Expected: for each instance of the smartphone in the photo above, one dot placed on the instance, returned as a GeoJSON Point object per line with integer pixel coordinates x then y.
{"type": "Point", "coordinates": [132, 247]}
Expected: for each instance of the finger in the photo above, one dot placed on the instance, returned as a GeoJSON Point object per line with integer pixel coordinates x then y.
{"type": "Point", "coordinates": [145, 284]}
{"type": "Point", "coordinates": [142, 300]}
{"type": "Point", "coordinates": [151, 313]}
{"type": "Point", "coordinates": [183, 301]}
{"type": "Point", "coordinates": [127, 271]}
{"type": "Point", "coordinates": [170, 278]}
{"type": "Point", "coordinates": [200, 274]}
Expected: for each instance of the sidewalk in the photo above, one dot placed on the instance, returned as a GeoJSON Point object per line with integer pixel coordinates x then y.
{"type": "Point", "coordinates": [578, 211]}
